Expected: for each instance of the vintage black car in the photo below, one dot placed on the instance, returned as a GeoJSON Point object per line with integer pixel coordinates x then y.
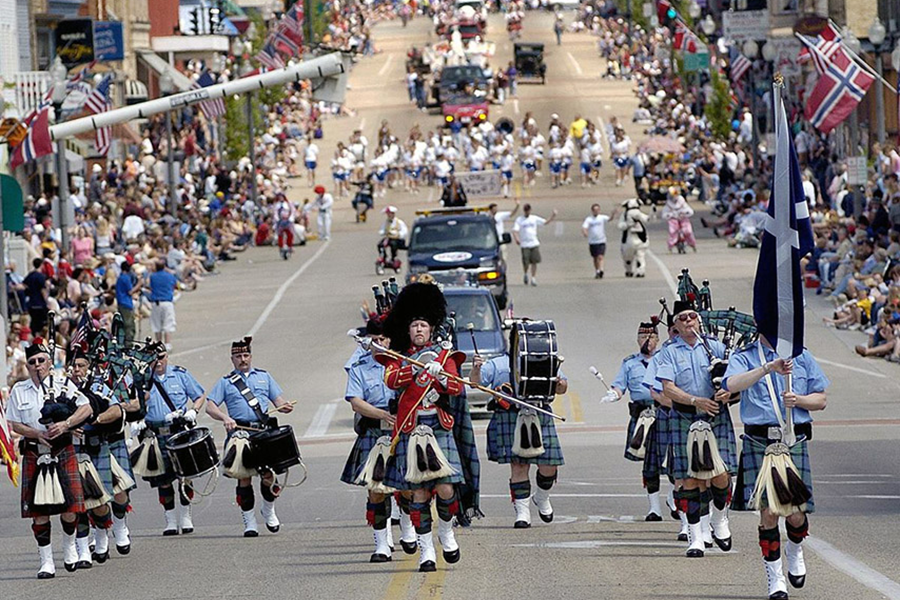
{"type": "Point", "coordinates": [530, 62]}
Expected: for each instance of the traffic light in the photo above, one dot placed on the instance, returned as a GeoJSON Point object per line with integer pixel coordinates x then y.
{"type": "Point", "coordinates": [671, 13]}
{"type": "Point", "coordinates": [214, 19]}
{"type": "Point", "coordinates": [195, 21]}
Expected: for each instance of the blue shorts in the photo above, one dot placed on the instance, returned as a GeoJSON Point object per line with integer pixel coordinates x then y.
{"type": "Point", "coordinates": [555, 168]}
{"type": "Point", "coordinates": [339, 176]}
{"type": "Point", "coordinates": [586, 168]}
{"type": "Point", "coordinates": [528, 166]}
{"type": "Point", "coordinates": [507, 175]}
{"type": "Point", "coordinates": [380, 175]}
{"type": "Point", "coordinates": [311, 164]}
{"type": "Point", "coordinates": [622, 161]}
{"type": "Point", "coordinates": [475, 169]}
{"type": "Point", "coordinates": [598, 163]}
{"type": "Point", "coordinates": [496, 165]}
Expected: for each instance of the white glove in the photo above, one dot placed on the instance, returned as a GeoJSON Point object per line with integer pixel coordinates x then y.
{"type": "Point", "coordinates": [433, 368]}
{"type": "Point", "coordinates": [137, 427]}
{"type": "Point", "coordinates": [190, 415]}
{"type": "Point", "coordinates": [610, 396]}
{"type": "Point", "coordinates": [175, 414]}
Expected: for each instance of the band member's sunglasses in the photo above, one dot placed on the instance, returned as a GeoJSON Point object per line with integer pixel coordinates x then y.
{"type": "Point", "coordinates": [687, 316]}
{"type": "Point", "coordinates": [36, 361]}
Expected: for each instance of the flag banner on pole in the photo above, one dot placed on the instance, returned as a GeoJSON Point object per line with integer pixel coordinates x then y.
{"type": "Point", "coordinates": [211, 109]}
{"type": "Point", "coordinates": [37, 142]}
{"type": "Point", "coordinates": [778, 288]}
{"type": "Point", "coordinates": [8, 449]}
{"type": "Point", "coordinates": [98, 102]}
{"type": "Point", "coordinates": [738, 64]}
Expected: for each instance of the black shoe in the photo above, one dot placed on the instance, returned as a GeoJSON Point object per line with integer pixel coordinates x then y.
{"type": "Point", "coordinates": [682, 537]}
{"type": "Point", "coordinates": [187, 530]}
{"type": "Point", "coordinates": [100, 558]}
{"type": "Point", "coordinates": [629, 274]}
{"type": "Point", "coordinates": [123, 550]}
{"type": "Point", "coordinates": [521, 525]}
{"type": "Point", "coordinates": [797, 581]}
{"type": "Point", "coordinates": [409, 547]}
{"type": "Point", "coordinates": [168, 532]}
{"type": "Point", "coordinates": [45, 575]}
{"type": "Point", "coordinates": [427, 567]}
{"type": "Point", "coordinates": [708, 545]}
{"type": "Point", "coordinates": [546, 518]}
{"type": "Point", "coordinates": [71, 567]}
{"type": "Point", "coordinates": [83, 564]}
{"type": "Point", "coordinates": [674, 515]}
{"type": "Point", "coordinates": [273, 528]}
{"type": "Point", "coordinates": [251, 534]}
{"type": "Point", "coordinates": [601, 274]}
{"type": "Point", "coordinates": [704, 222]}
{"type": "Point", "coordinates": [379, 558]}
{"type": "Point", "coordinates": [653, 517]}
{"type": "Point", "coordinates": [779, 596]}
{"type": "Point", "coordinates": [451, 557]}
{"type": "Point", "coordinates": [725, 545]}
{"type": "Point", "coordinates": [694, 553]}
{"type": "Point", "coordinates": [597, 275]}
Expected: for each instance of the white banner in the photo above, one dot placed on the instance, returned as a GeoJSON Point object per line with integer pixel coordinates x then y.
{"type": "Point", "coordinates": [480, 183]}
{"type": "Point", "coordinates": [745, 25]}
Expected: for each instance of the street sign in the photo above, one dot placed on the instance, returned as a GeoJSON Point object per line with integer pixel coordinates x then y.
{"type": "Point", "coordinates": [696, 62]}
{"type": "Point", "coordinates": [108, 41]}
{"type": "Point", "coordinates": [745, 25]}
{"type": "Point", "coordinates": [75, 41]}
{"type": "Point", "coordinates": [481, 183]}
{"type": "Point", "coordinates": [857, 170]}
{"type": "Point", "coordinates": [13, 207]}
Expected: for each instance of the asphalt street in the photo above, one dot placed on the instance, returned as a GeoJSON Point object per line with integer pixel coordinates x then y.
{"type": "Point", "coordinates": [598, 546]}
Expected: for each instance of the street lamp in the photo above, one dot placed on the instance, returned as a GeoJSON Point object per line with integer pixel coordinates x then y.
{"type": "Point", "coordinates": [708, 25]}
{"type": "Point", "coordinates": [769, 53]}
{"type": "Point", "coordinates": [694, 10]}
{"type": "Point", "coordinates": [851, 41]}
{"type": "Point", "coordinates": [166, 87]}
{"type": "Point", "coordinates": [877, 34]}
{"type": "Point", "coordinates": [895, 57]}
{"type": "Point", "coordinates": [246, 69]}
{"type": "Point", "coordinates": [58, 76]}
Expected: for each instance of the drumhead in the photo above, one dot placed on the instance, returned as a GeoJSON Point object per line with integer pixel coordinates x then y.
{"type": "Point", "coordinates": [187, 438]}
{"type": "Point", "coordinates": [534, 360]}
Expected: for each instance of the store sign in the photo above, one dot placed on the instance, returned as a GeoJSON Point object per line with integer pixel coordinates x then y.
{"type": "Point", "coordinates": [745, 25]}
{"type": "Point", "coordinates": [108, 41]}
{"type": "Point", "coordinates": [75, 41]}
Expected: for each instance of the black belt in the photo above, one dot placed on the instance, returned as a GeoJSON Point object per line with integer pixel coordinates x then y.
{"type": "Point", "coordinates": [156, 302]}
{"type": "Point", "coordinates": [635, 409]}
{"type": "Point", "coordinates": [684, 408]}
{"type": "Point", "coordinates": [116, 437]}
{"type": "Point", "coordinates": [57, 444]}
{"type": "Point", "coordinates": [92, 441]}
{"type": "Point", "coordinates": [762, 431]}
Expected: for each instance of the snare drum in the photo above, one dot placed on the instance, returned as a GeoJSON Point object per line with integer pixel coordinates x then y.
{"type": "Point", "coordinates": [275, 449]}
{"type": "Point", "coordinates": [534, 360]}
{"type": "Point", "coordinates": [193, 453]}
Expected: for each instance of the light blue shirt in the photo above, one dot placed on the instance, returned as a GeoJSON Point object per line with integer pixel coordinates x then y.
{"type": "Point", "coordinates": [102, 390]}
{"type": "Point", "coordinates": [365, 380]}
{"type": "Point", "coordinates": [179, 385]}
{"type": "Point", "coordinates": [358, 353]}
{"type": "Point", "coordinates": [756, 405]}
{"type": "Point", "coordinates": [650, 381]}
{"type": "Point", "coordinates": [496, 372]}
{"type": "Point", "coordinates": [631, 378]}
{"type": "Point", "coordinates": [263, 386]}
{"type": "Point", "coordinates": [687, 367]}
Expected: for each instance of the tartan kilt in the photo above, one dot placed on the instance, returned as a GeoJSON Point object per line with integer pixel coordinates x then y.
{"type": "Point", "coordinates": [657, 446]}
{"type": "Point", "coordinates": [119, 449]}
{"type": "Point", "coordinates": [169, 476]}
{"type": "Point", "coordinates": [395, 475]}
{"type": "Point", "coordinates": [753, 451]}
{"type": "Point", "coordinates": [99, 455]}
{"type": "Point", "coordinates": [632, 424]}
{"type": "Point", "coordinates": [359, 454]}
{"type": "Point", "coordinates": [501, 432]}
{"type": "Point", "coordinates": [69, 477]}
{"type": "Point", "coordinates": [680, 424]}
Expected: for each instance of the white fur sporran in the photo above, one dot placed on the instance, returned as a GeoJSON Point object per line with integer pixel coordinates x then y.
{"type": "Point", "coordinates": [238, 457]}
{"type": "Point", "coordinates": [704, 461]}
{"type": "Point", "coordinates": [47, 487]}
{"type": "Point", "coordinates": [425, 461]}
{"type": "Point", "coordinates": [375, 467]}
{"type": "Point", "coordinates": [638, 442]}
{"type": "Point", "coordinates": [780, 482]}
{"type": "Point", "coordinates": [527, 439]}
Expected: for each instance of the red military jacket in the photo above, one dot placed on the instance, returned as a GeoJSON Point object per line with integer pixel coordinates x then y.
{"type": "Point", "coordinates": [399, 375]}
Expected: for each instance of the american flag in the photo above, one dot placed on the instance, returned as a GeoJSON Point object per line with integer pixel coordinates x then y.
{"type": "Point", "coordinates": [82, 332]}
{"type": "Point", "coordinates": [98, 102]}
{"type": "Point", "coordinates": [293, 20]}
{"type": "Point", "coordinates": [8, 449]}
{"type": "Point", "coordinates": [740, 64]}
{"type": "Point", "coordinates": [214, 108]}
{"type": "Point", "coordinates": [778, 288]}
{"type": "Point", "coordinates": [269, 58]}
{"type": "Point", "coordinates": [285, 43]}
{"type": "Point", "coordinates": [37, 142]}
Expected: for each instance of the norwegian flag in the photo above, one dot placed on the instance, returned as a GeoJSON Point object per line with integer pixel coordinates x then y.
{"type": "Point", "coordinates": [211, 109]}
{"type": "Point", "coordinates": [739, 64]}
{"type": "Point", "coordinates": [685, 39]}
{"type": "Point", "coordinates": [98, 102]}
{"type": "Point", "coordinates": [828, 43]}
{"type": "Point", "coordinates": [839, 89]}
{"type": "Point", "coordinates": [37, 142]}
{"type": "Point", "coordinates": [268, 57]}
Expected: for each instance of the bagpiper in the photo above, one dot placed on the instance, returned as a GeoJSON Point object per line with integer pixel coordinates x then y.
{"type": "Point", "coordinates": [44, 409]}
{"type": "Point", "coordinates": [774, 477]}
{"type": "Point", "coordinates": [248, 395]}
{"type": "Point", "coordinates": [648, 417]}
{"type": "Point", "coordinates": [432, 427]}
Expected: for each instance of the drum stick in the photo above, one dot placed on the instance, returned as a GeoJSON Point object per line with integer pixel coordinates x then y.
{"type": "Point", "coordinates": [276, 409]}
{"type": "Point", "coordinates": [471, 329]}
{"type": "Point", "coordinates": [599, 376]}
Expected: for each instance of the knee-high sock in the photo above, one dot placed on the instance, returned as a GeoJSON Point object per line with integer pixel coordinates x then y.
{"type": "Point", "coordinates": [403, 502]}
{"type": "Point", "coordinates": [420, 513]}
{"type": "Point", "coordinates": [186, 495]}
{"type": "Point", "coordinates": [377, 514]}
{"type": "Point", "coordinates": [119, 510]}
{"type": "Point", "coordinates": [245, 498]}
{"type": "Point", "coordinates": [705, 497]}
{"type": "Point", "coordinates": [545, 482]}
{"type": "Point", "coordinates": [101, 521]}
{"type": "Point", "coordinates": [41, 533]}
{"type": "Point", "coordinates": [520, 490]}
{"type": "Point", "coordinates": [83, 528]}
{"type": "Point", "coordinates": [692, 505]}
{"type": "Point", "coordinates": [166, 497]}
{"type": "Point", "coordinates": [652, 484]}
{"type": "Point", "coordinates": [69, 527]}
{"type": "Point", "coordinates": [770, 543]}
{"type": "Point", "coordinates": [266, 490]}
{"type": "Point", "coordinates": [799, 533]}
{"type": "Point", "coordinates": [447, 508]}
{"type": "Point", "coordinates": [720, 496]}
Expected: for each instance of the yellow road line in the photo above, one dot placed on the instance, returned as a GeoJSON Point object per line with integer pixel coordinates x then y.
{"type": "Point", "coordinates": [577, 412]}
{"type": "Point", "coordinates": [433, 585]}
{"type": "Point", "coordinates": [398, 588]}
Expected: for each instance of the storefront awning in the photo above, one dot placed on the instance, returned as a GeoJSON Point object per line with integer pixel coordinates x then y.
{"type": "Point", "coordinates": [158, 64]}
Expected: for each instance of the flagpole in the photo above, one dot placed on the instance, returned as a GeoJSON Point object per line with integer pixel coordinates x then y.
{"type": "Point", "coordinates": [856, 59]}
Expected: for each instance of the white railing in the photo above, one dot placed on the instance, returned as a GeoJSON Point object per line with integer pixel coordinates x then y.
{"type": "Point", "coordinates": [30, 89]}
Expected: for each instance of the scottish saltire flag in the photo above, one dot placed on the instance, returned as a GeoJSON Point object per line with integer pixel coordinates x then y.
{"type": "Point", "coordinates": [778, 288]}
{"type": "Point", "coordinates": [37, 142]}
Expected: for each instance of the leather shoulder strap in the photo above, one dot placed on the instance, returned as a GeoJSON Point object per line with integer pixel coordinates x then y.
{"type": "Point", "coordinates": [242, 387]}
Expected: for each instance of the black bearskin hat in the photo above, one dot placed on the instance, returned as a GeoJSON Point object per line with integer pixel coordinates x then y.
{"type": "Point", "coordinates": [417, 301]}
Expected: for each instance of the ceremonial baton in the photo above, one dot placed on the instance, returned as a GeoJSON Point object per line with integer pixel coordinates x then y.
{"type": "Point", "coordinates": [599, 376]}
{"type": "Point", "coordinates": [471, 329]}
{"type": "Point", "coordinates": [366, 343]}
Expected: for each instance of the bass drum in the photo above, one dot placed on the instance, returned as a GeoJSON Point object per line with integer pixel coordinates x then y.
{"type": "Point", "coordinates": [534, 361]}
{"type": "Point", "coordinates": [193, 453]}
{"type": "Point", "coordinates": [275, 449]}
{"type": "Point", "coordinates": [505, 126]}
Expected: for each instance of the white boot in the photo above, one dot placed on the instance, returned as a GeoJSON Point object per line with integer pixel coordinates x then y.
{"type": "Point", "coordinates": [541, 499]}
{"type": "Point", "coordinates": [268, 514]}
{"type": "Point", "coordinates": [390, 536]}
{"type": "Point", "coordinates": [187, 524]}
{"type": "Point", "coordinates": [796, 566]}
{"type": "Point", "coordinates": [70, 552]}
{"type": "Point", "coordinates": [83, 545]}
{"type": "Point", "coordinates": [775, 577]}
{"type": "Point", "coordinates": [448, 541]}
{"type": "Point", "coordinates": [101, 549]}
{"type": "Point", "coordinates": [523, 513]}
{"type": "Point", "coordinates": [683, 533]}
{"type": "Point", "coordinates": [395, 511]}
{"type": "Point", "coordinates": [695, 540]}
{"type": "Point", "coordinates": [721, 532]}
{"type": "Point", "coordinates": [707, 532]}
{"type": "Point", "coordinates": [670, 503]}
{"type": "Point", "coordinates": [427, 556]}
{"type": "Point", "coordinates": [382, 549]}
{"type": "Point", "coordinates": [407, 534]}
{"type": "Point", "coordinates": [48, 568]}
{"type": "Point", "coordinates": [250, 527]}
{"type": "Point", "coordinates": [121, 535]}
{"type": "Point", "coordinates": [654, 513]}
{"type": "Point", "coordinates": [171, 522]}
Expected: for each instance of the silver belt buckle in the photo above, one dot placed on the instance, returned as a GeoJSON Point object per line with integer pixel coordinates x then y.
{"type": "Point", "coordinates": [384, 425]}
{"type": "Point", "coordinates": [775, 434]}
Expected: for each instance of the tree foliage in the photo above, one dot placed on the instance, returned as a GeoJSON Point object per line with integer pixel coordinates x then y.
{"type": "Point", "coordinates": [718, 108]}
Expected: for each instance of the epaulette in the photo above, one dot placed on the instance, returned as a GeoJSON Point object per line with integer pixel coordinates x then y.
{"type": "Point", "coordinates": [629, 357]}
{"type": "Point", "coordinates": [259, 370]}
{"type": "Point", "coordinates": [178, 369]}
